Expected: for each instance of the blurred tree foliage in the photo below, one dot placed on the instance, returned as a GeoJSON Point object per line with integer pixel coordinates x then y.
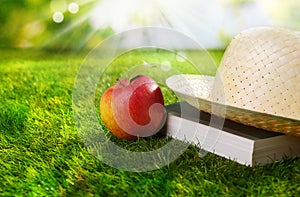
{"type": "Point", "coordinates": [15, 15]}
{"type": "Point", "coordinates": [29, 23]}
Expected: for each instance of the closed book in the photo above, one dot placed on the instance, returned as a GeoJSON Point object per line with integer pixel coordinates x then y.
{"type": "Point", "coordinates": [241, 143]}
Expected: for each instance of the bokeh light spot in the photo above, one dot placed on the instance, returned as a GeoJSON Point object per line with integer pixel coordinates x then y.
{"type": "Point", "coordinates": [73, 8]}
{"type": "Point", "coordinates": [180, 56]}
{"type": "Point", "coordinates": [58, 5]}
{"type": "Point", "coordinates": [58, 17]}
{"type": "Point", "coordinates": [33, 29]}
{"type": "Point", "coordinates": [166, 66]}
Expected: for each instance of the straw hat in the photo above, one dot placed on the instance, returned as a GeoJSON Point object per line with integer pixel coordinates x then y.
{"type": "Point", "coordinates": [257, 82]}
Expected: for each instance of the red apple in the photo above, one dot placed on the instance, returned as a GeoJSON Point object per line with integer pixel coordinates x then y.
{"type": "Point", "coordinates": [133, 108]}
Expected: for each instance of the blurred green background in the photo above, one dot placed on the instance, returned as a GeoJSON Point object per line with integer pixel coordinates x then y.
{"type": "Point", "coordinates": [31, 23]}
{"type": "Point", "coordinates": [78, 24]}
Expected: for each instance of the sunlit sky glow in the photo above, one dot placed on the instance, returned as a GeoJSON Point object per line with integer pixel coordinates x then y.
{"type": "Point", "coordinates": [205, 21]}
{"type": "Point", "coordinates": [125, 14]}
{"type": "Point", "coordinates": [200, 19]}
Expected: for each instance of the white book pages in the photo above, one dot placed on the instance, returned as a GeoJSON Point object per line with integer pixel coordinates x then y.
{"type": "Point", "coordinates": [243, 144]}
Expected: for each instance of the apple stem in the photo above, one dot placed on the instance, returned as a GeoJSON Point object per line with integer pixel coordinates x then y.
{"type": "Point", "coordinates": [120, 82]}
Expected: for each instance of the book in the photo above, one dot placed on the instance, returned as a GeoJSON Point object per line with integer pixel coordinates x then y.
{"type": "Point", "coordinates": [244, 144]}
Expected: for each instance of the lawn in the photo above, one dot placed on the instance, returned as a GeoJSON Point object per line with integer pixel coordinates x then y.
{"type": "Point", "coordinates": [42, 154]}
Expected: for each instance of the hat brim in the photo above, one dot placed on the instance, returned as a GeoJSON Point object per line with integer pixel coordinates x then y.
{"type": "Point", "coordinates": [197, 90]}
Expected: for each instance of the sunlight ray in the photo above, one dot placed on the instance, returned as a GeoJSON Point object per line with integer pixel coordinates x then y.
{"type": "Point", "coordinates": [80, 20]}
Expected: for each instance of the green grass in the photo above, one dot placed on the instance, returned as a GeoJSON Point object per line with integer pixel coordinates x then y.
{"type": "Point", "coordinates": [41, 153]}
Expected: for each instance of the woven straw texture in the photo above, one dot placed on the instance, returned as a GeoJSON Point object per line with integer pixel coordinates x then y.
{"type": "Point", "coordinates": [258, 80]}
{"type": "Point", "coordinates": [260, 71]}
{"type": "Point", "coordinates": [198, 90]}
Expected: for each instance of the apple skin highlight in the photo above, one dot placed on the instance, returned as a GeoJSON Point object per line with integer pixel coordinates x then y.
{"type": "Point", "coordinates": [108, 116]}
{"type": "Point", "coordinates": [133, 108]}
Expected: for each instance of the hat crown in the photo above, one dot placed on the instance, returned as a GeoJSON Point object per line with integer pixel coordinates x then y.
{"type": "Point", "coordinates": [260, 71]}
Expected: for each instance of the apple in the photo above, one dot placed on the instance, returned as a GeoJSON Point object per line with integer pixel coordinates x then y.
{"type": "Point", "coordinates": [132, 108]}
